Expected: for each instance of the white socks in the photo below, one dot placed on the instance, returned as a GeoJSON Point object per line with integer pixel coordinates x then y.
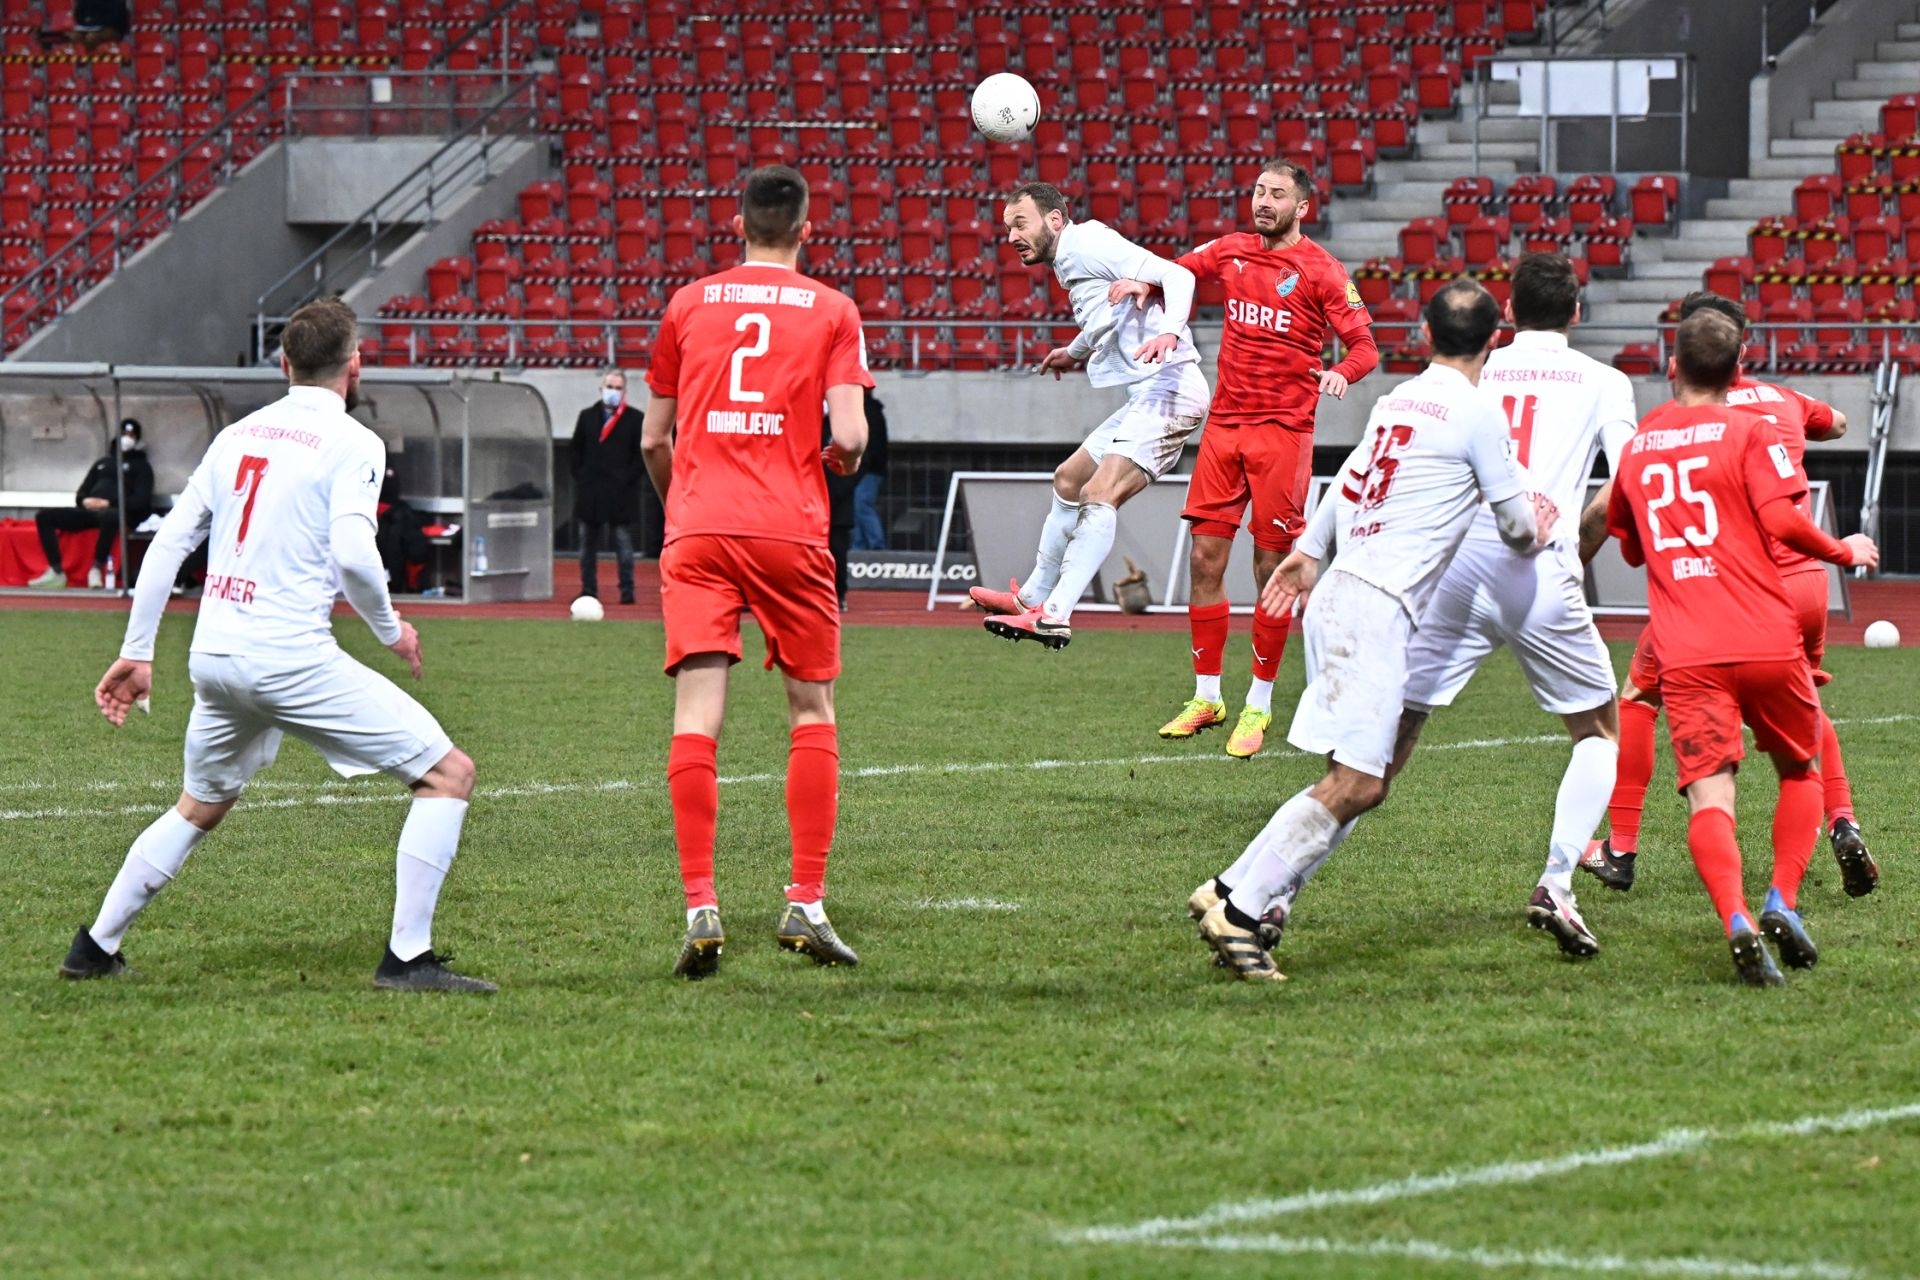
{"type": "Point", "coordinates": [154, 859]}
{"type": "Point", "coordinates": [1091, 544]}
{"type": "Point", "coordinates": [1207, 687]}
{"type": "Point", "coordinates": [1284, 855]}
{"type": "Point", "coordinates": [1585, 789]}
{"type": "Point", "coordinates": [428, 842]}
{"type": "Point", "coordinates": [1260, 695]}
{"type": "Point", "coordinates": [1054, 536]}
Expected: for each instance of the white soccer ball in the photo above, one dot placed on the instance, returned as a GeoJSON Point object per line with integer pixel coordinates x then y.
{"type": "Point", "coordinates": [586, 609]}
{"type": "Point", "coordinates": [1005, 108]}
{"type": "Point", "coordinates": [1882, 635]}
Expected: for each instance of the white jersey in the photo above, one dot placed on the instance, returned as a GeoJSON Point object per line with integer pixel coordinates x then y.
{"type": "Point", "coordinates": [1434, 449]}
{"type": "Point", "coordinates": [1089, 257]}
{"type": "Point", "coordinates": [1562, 407]}
{"type": "Point", "coordinates": [275, 482]}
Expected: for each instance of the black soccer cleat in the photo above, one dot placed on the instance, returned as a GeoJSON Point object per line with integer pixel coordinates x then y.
{"type": "Point", "coordinates": [1789, 933]}
{"type": "Point", "coordinates": [1751, 959]}
{"type": "Point", "coordinates": [1557, 913]}
{"type": "Point", "coordinates": [88, 959]}
{"type": "Point", "coordinates": [425, 972]}
{"type": "Point", "coordinates": [817, 941]}
{"type": "Point", "coordinates": [700, 951]}
{"type": "Point", "coordinates": [1859, 873]}
{"type": "Point", "coordinates": [1614, 870]}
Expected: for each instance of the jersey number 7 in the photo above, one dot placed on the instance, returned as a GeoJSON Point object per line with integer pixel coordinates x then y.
{"type": "Point", "coordinates": [247, 480]}
{"type": "Point", "coordinates": [1520, 411]}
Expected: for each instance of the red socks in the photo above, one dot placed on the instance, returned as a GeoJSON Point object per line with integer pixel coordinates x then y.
{"type": "Point", "coordinates": [1269, 642]}
{"type": "Point", "coordinates": [1630, 782]}
{"type": "Point", "coordinates": [1833, 774]}
{"type": "Point", "coordinates": [1716, 856]}
{"type": "Point", "coordinates": [693, 785]}
{"type": "Point", "coordinates": [1796, 829]}
{"type": "Point", "coordinates": [813, 804]}
{"type": "Point", "coordinates": [1208, 624]}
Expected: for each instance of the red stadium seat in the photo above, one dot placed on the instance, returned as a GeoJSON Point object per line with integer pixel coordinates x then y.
{"type": "Point", "coordinates": [1484, 241]}
{"type": "Point", "coordinates": [1590, 198]}
{"type": "Point", "coordinates": [1817, 197]}
{"type": "Point", "coordinates": [1422, 240]}
{"type": "Point", "coordinates": [1654, 199]}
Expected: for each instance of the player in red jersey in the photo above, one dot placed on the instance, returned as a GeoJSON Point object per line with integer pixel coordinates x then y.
{"type": "Point", "coordinates": [741, 364]}
{"type": "Point", "coordinates": [1285, 297]}
{"type": "Point", "coordinates": [1796, 418]}
{"type": "Point", "coordinates": [1701, 488]}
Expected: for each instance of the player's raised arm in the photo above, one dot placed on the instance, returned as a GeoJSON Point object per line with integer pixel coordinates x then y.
{"type": "Point", "coordinates": [1177, 284]}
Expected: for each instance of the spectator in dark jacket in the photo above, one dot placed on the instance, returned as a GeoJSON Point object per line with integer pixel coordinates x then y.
{"type": "Point", "coordinates": [840, 491]}
{"type": "Point", "coordinates": [869, 533]}
{"type": "Point", "coordinates": [96, 506]}
{"type": "Point", "coordinates": [400, 534]}
{"type": "Point", "coordinates": [607, 477]}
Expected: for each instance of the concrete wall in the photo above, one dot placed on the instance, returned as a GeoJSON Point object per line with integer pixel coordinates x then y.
{"type": "Point", "coordinates": [187, 298]}
{"type": "Point", "coordinates": [1846, 34]}
{"type": "Point", "coordinates": [334, 180]}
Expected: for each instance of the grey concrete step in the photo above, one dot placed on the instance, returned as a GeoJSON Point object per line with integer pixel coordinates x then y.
{"type": "Point", "coordinates": [1908, 31]}
{"type": "Point", "coordinates": [1493, 130]}
{"type": "Point", "coordinates": [1874, 91]}
{"type": "Point", "coordinates": [1896, 50]}
{"type": "Point", "coordinates": [1853, 114]}
{"type": "Point", "coordinates": [1809, 144]}
{"type": "Point", "coordinates": [1765, 207]}
{"type": "Point", "coordinates": [1640, 290]}
{"type": "Point", "coordinates": [1448, 170]}
{"type": "Point", "coordinates": [1761, 188]}
{"type": "Point", "coordinates": [1786, 168]}
{"type": "Point", "coordinates": [1903, 70]}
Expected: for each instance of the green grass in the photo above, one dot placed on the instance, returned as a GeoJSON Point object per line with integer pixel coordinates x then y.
{"type": "Point", "coordinates": [986, 1081]}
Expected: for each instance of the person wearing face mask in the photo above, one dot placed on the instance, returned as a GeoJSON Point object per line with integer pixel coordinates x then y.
{"type": "Point", "coordinates": [96, 505]}
{"type": "Point", "coordinates": [607, 470]}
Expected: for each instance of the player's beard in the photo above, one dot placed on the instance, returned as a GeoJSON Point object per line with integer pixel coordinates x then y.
{"type": "Point", "coordinates": [353, 395]}
{"type": "Point", "coordinates": [1278, 228]}
{"type": "Point", "coordinates": [1043, 241]}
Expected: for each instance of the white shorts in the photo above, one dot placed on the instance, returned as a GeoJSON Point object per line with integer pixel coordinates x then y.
{"type": "Point", "coordinates": [1153, 426]}
{"type": "Point", "coordinates": [1357, 659]}
{"type": "Point", "coordinates": [353, 716]}
{"type": "Point", "coordinates": [1536, 604]}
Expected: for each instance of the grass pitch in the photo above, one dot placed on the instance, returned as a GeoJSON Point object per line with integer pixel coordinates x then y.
{"type": "Point", "coordinates": [1033, 1046]}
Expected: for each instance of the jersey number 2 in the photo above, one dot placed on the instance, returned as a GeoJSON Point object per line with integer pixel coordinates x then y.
{"type": "Point", "coordinates": [763, 332]}
{"type": "Point", "coordinates": [247, 480]}
{"type": "Point", "coordinates": [1520, 411]}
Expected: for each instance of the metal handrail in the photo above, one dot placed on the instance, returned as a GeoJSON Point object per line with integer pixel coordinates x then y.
{"type": "Point", "coordinates": [409, 203]}
{"type": "Point", "coordinates": [58, 266]}
{"type": "Point", "coordinates": [291, 111]}
{"type": "Point", "coordinates": [1480, 105]}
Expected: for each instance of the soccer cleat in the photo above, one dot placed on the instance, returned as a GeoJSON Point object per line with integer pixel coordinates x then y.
{"type": "Point", "coordinates": [817, 940]}
{"type": "Point", "coordinates": [1001, 602]}
{"type": "Point", "coordinates": [1554, 911]}
{"type": "Point", "coordinates": [1859, 873]}
{"type": "Point", "coordinates": [700, 951]}
{"type": "Point", "coordinates": [1238, 949]}
{"type": "Point", "coordinates": [1273, 924]}
{"type": "Point", "coordinates": [1750, 957]}
{"type": "Point", "coordinates": [1197, 715]}
{"type": "Point", "coordinates": [1033, 624]}
{"type": "Point", "coordinates": [1783, 924]}
{"type": "Point", "coordinates": [1249, 732]}
{"type": "Point", "coordinates": [95, 579]}
{"type": "Point", "coordinates": [51, 580]}
{"type": "Point", "coordinates": [87, 959]}
{"type": "Point", "coordinates": [425, 972]}
{"type": "Point", "coordinates": [1614, 870]}
{"type": "Point", "coordinates": [1203, 899]}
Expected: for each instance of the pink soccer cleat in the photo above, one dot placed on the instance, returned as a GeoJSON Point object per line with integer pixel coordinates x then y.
{"type": "Point", "coordinates": [1032, 624]}
{"type": "Point", "coordinates": [992, 601]}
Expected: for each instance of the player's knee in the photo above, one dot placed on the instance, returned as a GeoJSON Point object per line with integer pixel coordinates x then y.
{"type": "Point", "coordinates": [204, 814]}
{"type": "Point", "coordinates": [452, 777]}
{"type": "Point", "coordinates": [1207, 563]}
{"type": "Point", "coordinates": [1066, 484]}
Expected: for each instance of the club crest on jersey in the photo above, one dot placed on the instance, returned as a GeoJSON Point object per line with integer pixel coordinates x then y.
{"type": "Point", "coordinates": [1353, 295]}
{"type": "Point", "coordinates": [1288, 283]}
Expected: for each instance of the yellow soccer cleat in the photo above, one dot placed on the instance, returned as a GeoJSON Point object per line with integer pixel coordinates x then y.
{"type": "Point", "coordinates": [1198, 714]}
{"type": "Point", "coordinates": [1249, 733]}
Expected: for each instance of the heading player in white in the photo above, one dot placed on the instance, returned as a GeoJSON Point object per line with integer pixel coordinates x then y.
{"type": "Point", "coordinates": [1562, 407]}
{"type": "Point", "coordinates": [1146, 349]}
{"type": "Point", "coordinates": [286, 497]}
{"type": "Point", "coordinates": [1434, 448]}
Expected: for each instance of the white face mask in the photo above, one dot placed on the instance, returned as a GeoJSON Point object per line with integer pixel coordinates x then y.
{"type": "Point", "coordinates": [612, 396]}
{"type": "Point", "coordinates": [129, 442]}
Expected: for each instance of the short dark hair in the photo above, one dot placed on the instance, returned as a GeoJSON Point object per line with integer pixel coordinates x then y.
{"type": "Point", "coordinates": [133, 425]}
{"type": "Point", "coordinates": [1462, 317]}
{"type": "Point", "coordinates": [1297, 174]}
{"type": "Point", "coordinates": [319, 340]}
{"type": "Point", "coordinates": [1706, 350]}
{"type": "Point", "coordinates": [774, 206]}
{"type": "Point", "coordinates": [1546, 292]}
{"type": "Point", "coordinates": [1702, 300]}
{"type": "Point", "coordinates": [1045, 196]}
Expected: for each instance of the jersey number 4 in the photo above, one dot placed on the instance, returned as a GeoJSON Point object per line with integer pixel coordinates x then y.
{"type": "Point", "coordinates": [1520, 410]}
{"type": "Point", "coordinates": [1677, 482]}
{"type": "Point", "coordinates": [247, 480]}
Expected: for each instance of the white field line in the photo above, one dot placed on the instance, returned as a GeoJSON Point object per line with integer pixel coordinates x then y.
{"type": "Point", "coordinates": [336, 793]}
{"type": "Point", "coordinates": [966, 904]}
{"type": "Point", "coordinates": [1542, 1260]}
{"type": "Point", "coordinates": [1673, 1142]}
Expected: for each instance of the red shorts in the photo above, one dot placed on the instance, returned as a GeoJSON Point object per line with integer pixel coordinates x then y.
{"type": "Point", "coordinates": [1262, 462]}
{"type": "Point", "coordinates": [707, 581]}
{"type": "Point", "coordinates": [1807, 590]}
{"type": "Point", "coordinates": [1643, 671]}
{"type": "Point", "coordinates": [1706, 705]}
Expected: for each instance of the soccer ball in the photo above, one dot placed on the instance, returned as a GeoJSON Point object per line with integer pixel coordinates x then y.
{"type": "Point", "coordinates": [1005, 108]}
{"type": "Point", "coordinates": [586, 609]}
{"type": "Point", "coordinates": [1882, 635]}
